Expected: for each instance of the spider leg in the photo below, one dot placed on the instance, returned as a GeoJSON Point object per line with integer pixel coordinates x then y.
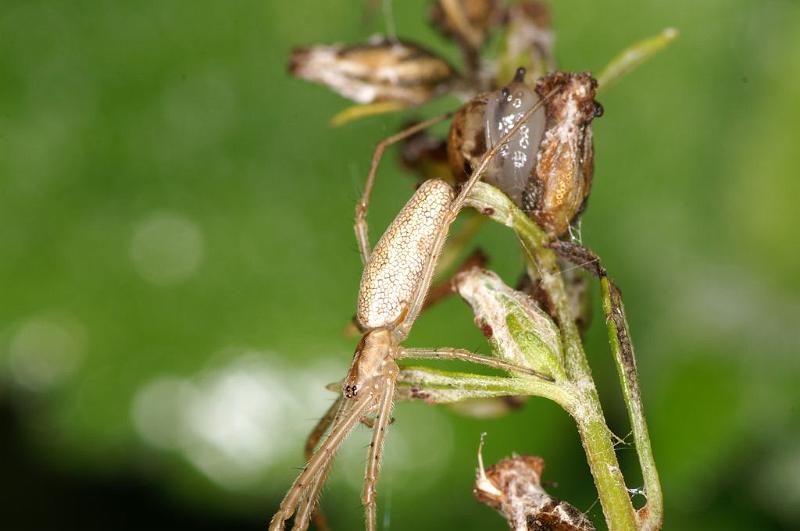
{"type": "Point", "coordinates": [310, 504]}
{"type": "Point", "coordinates": [360, 226]}
{"type": "Point", "coordinates": [322, 426]}
{"type": "Point", "coordinates": [444, 288]}
{"type": "Point", "coordinates": [333, 413]}
{"type": "Point", "coordinates": [447, 353]}
{"type": "Point", "coordinates": [320, 460]}
{"type": "Point", "coordinates": [459, 240]}
{"type": "Point", "coordinates": [376, 452]}
{"type": "Point", "coordinates": [311, 498]}
{"type": "Point", "coordinates": [306, 511]}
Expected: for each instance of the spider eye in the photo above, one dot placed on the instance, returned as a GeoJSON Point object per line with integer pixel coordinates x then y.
{"type": "Point", "coordinates": [350, 390]}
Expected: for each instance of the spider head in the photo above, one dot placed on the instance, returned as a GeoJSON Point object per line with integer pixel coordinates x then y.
{"type": "Point", "coordinates": [371, 360]}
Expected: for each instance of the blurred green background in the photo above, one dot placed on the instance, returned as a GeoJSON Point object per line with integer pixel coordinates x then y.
{"type": "Point", "coordinates": [177, 265]}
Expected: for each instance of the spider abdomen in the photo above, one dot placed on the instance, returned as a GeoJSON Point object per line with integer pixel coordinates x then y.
{"type": "Point", "coordinates": [392, 277]}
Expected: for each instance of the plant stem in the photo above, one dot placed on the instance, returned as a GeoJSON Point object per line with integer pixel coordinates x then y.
{"type": "Point", "coordinates": [595, 435]}
{"type": "Point", "coordinates": [450, 386]}
{"type": "Point", "coordinates": [619, 339]}
{"type": "Point", "coordinates": [447, 386]}
{"type": "Point", "coordinates": [610, 484]}
{"type": "Point", "coordinates": [588, 414]}
{"type": "Point", "coordinates": [633, 56]}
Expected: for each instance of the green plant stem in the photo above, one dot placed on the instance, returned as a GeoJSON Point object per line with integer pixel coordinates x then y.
{"type": "Point", "coordinates": [633, 56]}
{"type": "Point", "coordinates": [595, 435]}
{"type": "Point", "coordinates": [450, 386]}
{"type": "Point", "coordinates": [588, 414]}
{"type": "Point", "coordinates": [621, 346]}
{"type": "Point", "coordinates": [544, 261]}
{"type": "Point", "coordinates": [443, 387]}
{"type": "Point", "coordinates": [602, 459]}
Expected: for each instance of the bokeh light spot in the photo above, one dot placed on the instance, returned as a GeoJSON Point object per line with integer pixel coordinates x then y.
{"type": "Point", "coordinates": [235, 422]}
{"type": "Point", "coordinates": [166, 248]}
{"type": "Point", "coordinates": [44, 352]}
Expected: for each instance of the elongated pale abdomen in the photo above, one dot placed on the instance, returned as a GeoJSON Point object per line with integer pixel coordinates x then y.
{"type": "Point", "coordinates": [394, 273]}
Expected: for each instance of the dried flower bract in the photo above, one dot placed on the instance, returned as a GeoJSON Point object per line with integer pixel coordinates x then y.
{"type": "Point", "coordinates": [381, 70]}
{"type": "Point", "coordinates": [513, 488]}
{"type": "Point", "coordinates": [563, 173]}
{"type": "Point", "coordinates": [468, 22]}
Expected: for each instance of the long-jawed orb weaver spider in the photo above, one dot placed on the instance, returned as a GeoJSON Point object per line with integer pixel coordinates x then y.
{"type": "Point", "coordinates": [394, 284]}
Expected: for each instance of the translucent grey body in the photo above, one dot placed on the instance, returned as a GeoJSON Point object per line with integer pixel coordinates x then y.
{"type": "Point", "coordinates": [392, 277]}
{"type": "Point", "coordinates": [515, 162]}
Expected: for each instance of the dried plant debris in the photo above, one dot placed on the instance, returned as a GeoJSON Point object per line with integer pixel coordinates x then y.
{"type": "Point", "coordinates": [379, 71]}
{"type": "Point", "coordinates": [466, 140]}
{"type": "Point", "coordinates": [468, 22]}
{"type": "Point", "coordinates": [425, 155]}
{"type": "Point", "coordinates": [546, 168]}
{"type": "Point", "coordinates": [529, 40]}
{"type": "Point", "coordinates": [562, 176]}
{"type": "Point", "coordinates": [513, 487]}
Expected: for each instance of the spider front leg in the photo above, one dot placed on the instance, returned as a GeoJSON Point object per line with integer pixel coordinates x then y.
{"type": "Point", "coordinates": [360, 226]}
{"type": "Point", "coordinates": [448, 353]}
{"type": "Point", "coordinates": [321, 427]}
{"type": "Point", "coordinates": [330, 417]}
{"type": "Point", "coordinates": [319, 461]}
{"type": "Point", "coordinates": [307, 510]}
{"type": "Point", "coordinates": [375, 454]}
{"type": "Point", "coordinates": [378, 425]}
{"type": "Point", "coordinates": [310, 504]}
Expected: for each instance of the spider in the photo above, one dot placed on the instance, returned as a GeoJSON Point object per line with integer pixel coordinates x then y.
{"type": "Point", "coordinates": [394, 284]}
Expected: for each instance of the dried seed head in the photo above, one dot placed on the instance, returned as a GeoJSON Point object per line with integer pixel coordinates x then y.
{"type": "Point", "coordinates": [381, 70]}
{"type": "Point", "coordinates": [563, 173]}
{"type": "Point", "coordinates": [513, 488]}
{"type": "Point", "coordinates": [466, 141]}
{"type": "Point", "coordinates": [468, 22]}
{"type": "Point", "coordinates": [426, 156]}
{"type": "Point", "coordinates": [393, 277]}
{"type": "Point", "coordinates": [481, 123]}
